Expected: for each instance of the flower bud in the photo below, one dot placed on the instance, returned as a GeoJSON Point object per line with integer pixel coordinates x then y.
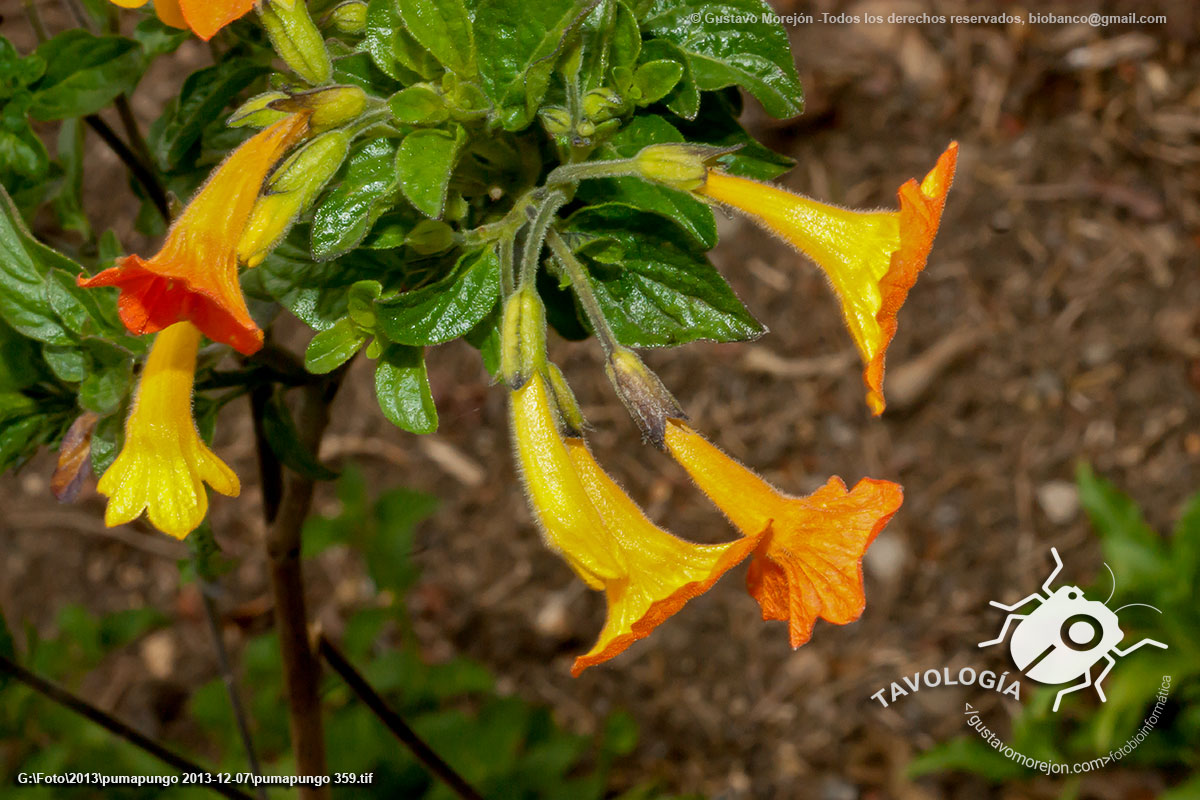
{"type": "Point", "coordinates": [257, 112]}
{"type": "Point", "coordinates": [350, 17]}
{"type": "Point", "coordinates": [430, 236]}
{"type": "Point", "coordinates": [329, 107]}
{"type": "Point", "coordinates": [290, 191]}
{"type": "Point", "coordinates": [570, 415]}
{"type": "Point", "coordinates": [522, 337]}
{"type": "Point", "coordinates": [557, 121]}
{"type": "Point", "coordinates": [644, 396]}
{"type": "Point", "coordinates": [680, 166]}
{"type": "Point", "coordinates": [599, 104]}
{"type": "Point", "coordinates": [296, 39]}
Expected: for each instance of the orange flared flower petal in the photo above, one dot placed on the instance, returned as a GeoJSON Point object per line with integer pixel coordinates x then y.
{"type": "Point", "coordinates": [195, 275]}
{"type": "Point", "coordinates": [664, 571]}
{"type": "Point", "coordinates": [206, 17]}
{"type": "Point", "coordinates": [872, 259]}
{"type": "Point", "coordinates": [169, 13]}
{"type": "Point", "coordinates": [646, 573]}
{"type": "Point", "coordinates": [808, 563]}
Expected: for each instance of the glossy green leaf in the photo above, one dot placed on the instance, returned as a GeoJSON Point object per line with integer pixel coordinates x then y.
{"type": "Point", "coordinates": [517, 42]}
{"type": "Point", "coordinates": [347, 213]}
{"type": "Point", "coordinates": [84, 73]}
{"type": "Point", "coordinates": [732, 43]}
{"type": "Point", "coordinates": [684, 98]}
{"type": "Point", "coordinates": [109, 376]}
{"type": "Point", "coordinates": [424, 164]}
{"type": "Point", "coordinates": [201, 101]}
{"type": "Point", "coordinates": [655, 286]}
{"type": "Point", "coordinates": [402, 389]}
{"type": "Point", "coordinates": [716, 123]}
{"type": "Point", "coordinates": [444, 29]}
{"type": "Point", "coordinates": [681, 208]}
{"type": "Point", "coordinates": [24, 265]}
{"type": "Point", "coordinates": [654, 80]}
{"type": "Point", "coordinates": [419, 105]}
{"type": "Point", "coordinates": [332, 347]}
{"type": "Point", "coordinates": [445, 310]}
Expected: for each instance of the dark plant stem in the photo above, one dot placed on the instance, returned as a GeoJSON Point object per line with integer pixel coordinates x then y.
{"type": "Point", "coordinates": [227, 676]}
{"type": "Point", "coordinates": [141, 171]}
{"type": "Point", "coordinates": [133, 133]}
{"type": "Point", "coordinates": [56, 693]}
{"type": "Point", "coordinates": [286, 503]}
{"type": "Point", "coordinates": [394, 722]}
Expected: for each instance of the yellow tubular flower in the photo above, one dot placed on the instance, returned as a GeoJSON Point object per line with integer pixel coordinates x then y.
{"type": "Point", "coordinates": [646, 573]}
{"type": "Point", "coordinates": [163, 466]}
{"type": "Point", "coordinates": [871, 258]}
{"type": "Point", "coordinates": [808, 563]}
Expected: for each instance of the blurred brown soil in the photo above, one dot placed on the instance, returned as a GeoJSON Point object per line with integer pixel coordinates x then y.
{"type": "Point", "coordinates": [1058, 319]}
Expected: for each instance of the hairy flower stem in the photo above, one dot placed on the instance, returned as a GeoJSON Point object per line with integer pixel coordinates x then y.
{"type": "Point", "coordinates": [583, 290]}
{"type": "Point", "coordinates": [54, 692]}
{"type": "Point", "coordinates": [286, 503]}
{"type": "Point", "coordinates": [394, 722]}
{"type": "Point", "coordinates": [535, 236]}
{"type": "Point", "coordinates": [573, 173]}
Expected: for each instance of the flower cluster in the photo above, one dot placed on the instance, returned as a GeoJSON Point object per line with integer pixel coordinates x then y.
{"type": "Point", "coordinates": [804, 552]}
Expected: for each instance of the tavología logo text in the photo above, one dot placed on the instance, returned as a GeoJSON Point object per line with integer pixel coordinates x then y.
{"type": "Point", "coordinates": [1066, 635]}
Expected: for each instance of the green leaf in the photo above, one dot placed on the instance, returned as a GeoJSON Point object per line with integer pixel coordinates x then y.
{"type": "Point", "coordinates": [1185, 544]}
{"type": "Point", "coordinates": [444, 29]}
{"type": "Point", "coordinates": [402, 389]}
{"type": "Point", "coordinates": [332, 347]}
{"type": "Point", "coordinates": [24, 264]}
{"type": "Point", "coordinates": [1128, 541]}
{"type": "Point", "coordinates": [609, 37]}
{"type": "Point", "coordinates": [445, 310]}
{"type": "Point", "coordinates": [109, 376]}
{"type": "Point", "coordinates": [106, 442]}
{"type": "Point", "coordinates": [203, 97]}
{"type": "Point", "coordinates": [424, 164]}
{"type": "Point", "coordinates": [733, 43]}
{"type": "Point", "coordinates": [67, 362]}
{"type": "Point", "coordinates": [716, 123]}
{"type": "Point", "coordinates": [20, 364]}
{"type": "Point", "coordinates": [962, 753]}
{"type": "Point", "coordinates": [684, 98]}
{"type": "Point", "coordinates": [280, 432]}
{"type": "Point", "coordinates": [517, 42]}
{"type": "Point", "coordinates": [656, 287]}
{"type": "Point", "coordinates": [654, 80]}
{"type": "Point", "coordinates": [681, 208]}
{"type": "Point", "coordinates": [83, 311]}
{"type": "Point", "coordinates": [84, 73]}
{"type": "Point", "coordinates": [418, 105]}
{"type": "Point", "coordinates": [348, 212]}
{"type": "Point", "coordinates": [158, 39]}
{"type": "Point", "coordinates": [393, 48]}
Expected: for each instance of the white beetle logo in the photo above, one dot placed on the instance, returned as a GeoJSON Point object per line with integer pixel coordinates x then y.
{"type": "Point", "coordinates": [1066, 635]}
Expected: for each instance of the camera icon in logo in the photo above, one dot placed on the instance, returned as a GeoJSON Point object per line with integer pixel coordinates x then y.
{"type": "Point", "coordinates": [1065, 636]}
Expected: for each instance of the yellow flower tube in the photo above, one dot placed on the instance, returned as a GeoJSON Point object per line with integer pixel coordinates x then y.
{"type": "Point", "coordinates": [646, 573]}
{"type": "Point", "coordinates": [163, 465]}
{"type": "Point", "coordinates": [872, 258]}
{"type": "Point", "coordinates": [808, 562]}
